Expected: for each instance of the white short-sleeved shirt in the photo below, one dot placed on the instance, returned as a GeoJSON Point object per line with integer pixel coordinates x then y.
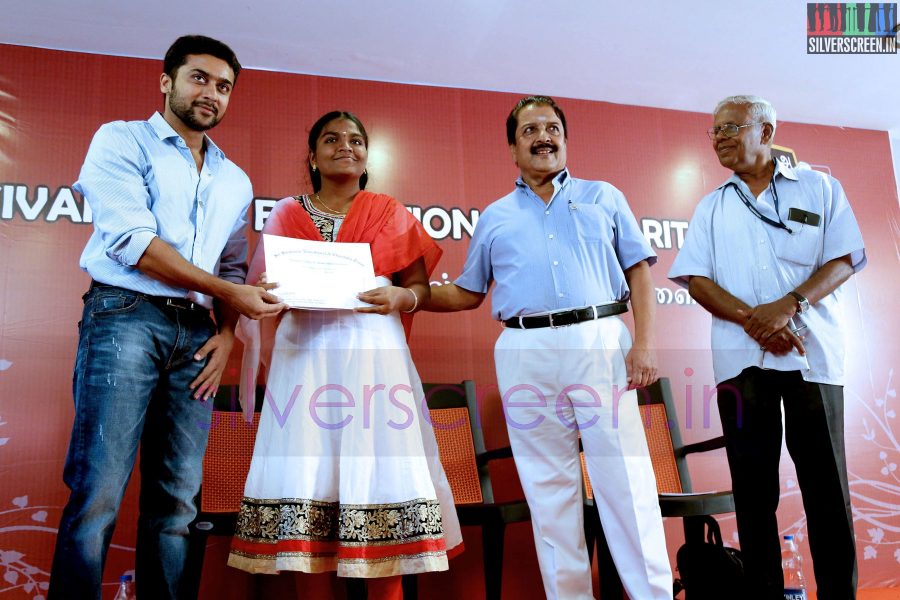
{"type": "Point", "coordinates": [758, 263]}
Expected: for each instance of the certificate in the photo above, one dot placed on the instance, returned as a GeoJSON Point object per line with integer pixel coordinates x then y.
{"type": "Point", "coordinates": [318, 275]}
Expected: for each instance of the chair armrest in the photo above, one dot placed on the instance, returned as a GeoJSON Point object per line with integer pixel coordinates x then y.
{"type": "Point", "coordinates": [209, 523]}
{"type": "Point", "coordinates": [704, 446]}
{"type": "Point", "coordinates": [485, 457]}
{"type": "Point", "coordinates": [695, 505]}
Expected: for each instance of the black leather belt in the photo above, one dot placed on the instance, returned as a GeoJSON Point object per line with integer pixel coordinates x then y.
{"type": "Point", "coordinates": [160, 301]}
{"type": "Point", "coordinates": [567, 317]}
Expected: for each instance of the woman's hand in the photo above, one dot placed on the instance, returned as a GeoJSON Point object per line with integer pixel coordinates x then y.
{"type": "Point", "coordinates": [388, 299]}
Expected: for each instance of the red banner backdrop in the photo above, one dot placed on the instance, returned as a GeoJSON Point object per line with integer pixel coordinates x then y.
{"type": "Point", "coordinates": [443, 153]}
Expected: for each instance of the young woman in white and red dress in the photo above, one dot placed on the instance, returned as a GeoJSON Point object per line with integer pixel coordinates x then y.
{"type": "Point", "coordinates": [345, 474]}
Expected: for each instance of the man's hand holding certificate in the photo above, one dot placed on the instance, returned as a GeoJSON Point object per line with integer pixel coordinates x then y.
{"type": "Point", "coordinates": [314, 275]}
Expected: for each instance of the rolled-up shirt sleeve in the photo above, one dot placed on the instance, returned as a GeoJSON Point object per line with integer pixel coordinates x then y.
{"type": "Point", "coordinates": [112, 182]}
{"type": "Point", "coordinates": [233, 261]}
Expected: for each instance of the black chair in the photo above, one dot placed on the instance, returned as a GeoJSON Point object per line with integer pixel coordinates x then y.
{"type": "Point", "coordinates": [673, 481]}
{"type": "Point", "coordinates": [455, 416]}
{"type": "Point", "coordinates": [454, 412]}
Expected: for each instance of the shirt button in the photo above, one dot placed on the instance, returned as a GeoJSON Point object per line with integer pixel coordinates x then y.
{"type": "Point", "coordinates": [547, 212]}
{"type": "Point", "coordinates": [561, 294]}
{"type": "Point", "coordinates": [555, 263]}
{"type": "Point", "coordinates": [761, 242]}
{"type": "Point", "coordinates": [550, 236]}
{"type": "Point", "coordinates": [764, 267]}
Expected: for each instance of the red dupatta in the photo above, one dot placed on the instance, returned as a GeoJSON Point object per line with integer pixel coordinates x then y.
{"type": "Point", "coordinates": [396, 238]}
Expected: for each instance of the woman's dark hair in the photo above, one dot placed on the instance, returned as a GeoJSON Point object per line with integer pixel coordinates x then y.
{"type": "Point", "coordinates": [198, 44]}
{"type": "Point", "coordinates": [316, 130]}
{"type": "Point", "coordinates": [512, 121]}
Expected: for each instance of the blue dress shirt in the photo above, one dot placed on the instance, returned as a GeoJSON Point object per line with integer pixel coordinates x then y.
{"type": "Point", "coordinates": [141, 182]}
{"type": "Point", "coordinates": [758, 263]}
{"type": "Point", "coordinates": [568, 253]}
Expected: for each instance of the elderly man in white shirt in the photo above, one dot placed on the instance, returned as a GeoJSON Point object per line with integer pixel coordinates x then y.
{"type": "Point", "coordinates": [766, 253]}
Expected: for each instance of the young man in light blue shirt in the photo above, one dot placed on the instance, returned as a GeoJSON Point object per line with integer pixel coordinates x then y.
{"type": "Point", "coordinates": [168, 247]}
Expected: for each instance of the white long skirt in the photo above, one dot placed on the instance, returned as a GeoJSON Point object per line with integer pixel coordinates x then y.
{"type": "Point", "coordinates": [345, 473]}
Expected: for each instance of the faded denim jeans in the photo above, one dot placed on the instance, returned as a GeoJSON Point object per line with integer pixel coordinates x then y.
{"type": "Point", "coordinates": [132, 371]}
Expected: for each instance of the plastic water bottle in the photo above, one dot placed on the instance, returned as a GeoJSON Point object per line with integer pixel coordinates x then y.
{"type": "Point", "coordinates": [792, 565]}
{"type": "Point", "coordinates": [126, 588]}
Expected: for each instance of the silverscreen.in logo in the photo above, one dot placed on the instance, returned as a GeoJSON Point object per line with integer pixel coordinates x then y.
{"type": "Point", "coordinates": [857, 28]}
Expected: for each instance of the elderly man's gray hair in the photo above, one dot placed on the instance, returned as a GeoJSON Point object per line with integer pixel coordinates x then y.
{"type": "Point", "coordinates": [760, 109]}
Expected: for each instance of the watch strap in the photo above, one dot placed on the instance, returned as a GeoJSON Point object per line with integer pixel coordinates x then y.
{"type": "Point", "coordinates": [802, 302]}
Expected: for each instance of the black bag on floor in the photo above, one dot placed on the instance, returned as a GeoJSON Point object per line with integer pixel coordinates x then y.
{"type": "Point", "coordinates": [710, 570]}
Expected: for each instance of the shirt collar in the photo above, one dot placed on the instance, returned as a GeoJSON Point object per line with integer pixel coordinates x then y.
{"type": "Point", "coordinates": [165, 131]}
{"type": "Point", "coordinates": [561, 180]}
{"type": "Point", "coordinates": [785, 169]}
{"type": "Point", "coordinates": [782, 168]}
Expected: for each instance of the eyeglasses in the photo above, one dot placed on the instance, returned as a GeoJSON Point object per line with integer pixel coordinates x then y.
{"type": "Point", "coordinates": [729, 130]}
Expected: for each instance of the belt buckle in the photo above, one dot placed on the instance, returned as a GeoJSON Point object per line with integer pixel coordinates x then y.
{"type": "Point", "coordinates": [567, 316]}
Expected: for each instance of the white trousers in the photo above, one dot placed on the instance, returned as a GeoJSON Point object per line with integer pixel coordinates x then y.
{"type": "Point", "coordinates": [556, 383]}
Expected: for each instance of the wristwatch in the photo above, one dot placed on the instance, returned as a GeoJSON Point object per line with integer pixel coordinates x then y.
{"type": "Point", "coordinates": [802, 302]}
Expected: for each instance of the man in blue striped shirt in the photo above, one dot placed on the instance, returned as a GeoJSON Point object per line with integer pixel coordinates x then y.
{"type": "Point", "coordinates": [566, 254]}
{"type": "Point", "coordinates": [168, 247]}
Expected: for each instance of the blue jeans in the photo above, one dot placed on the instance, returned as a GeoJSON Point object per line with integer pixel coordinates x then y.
{"type": "Point", "coordinates": [132, 371]}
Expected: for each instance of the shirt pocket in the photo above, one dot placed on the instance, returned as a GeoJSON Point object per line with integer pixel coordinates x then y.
{"type": "Point", "coordinates": [591, 223]}
{"type": "Point", "coordinates": [800, 247]}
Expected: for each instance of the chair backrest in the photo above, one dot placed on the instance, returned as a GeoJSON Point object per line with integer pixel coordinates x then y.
{"type": "Point", "coordinates": [663, 439]}
{"type": "Point", "coordinates": [228, 454]}
{"type": "Point", "coordinates": [452, 406]}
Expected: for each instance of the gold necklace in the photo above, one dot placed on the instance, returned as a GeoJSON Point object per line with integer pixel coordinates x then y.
{"type": "Point", "coordinates": [331, 210]}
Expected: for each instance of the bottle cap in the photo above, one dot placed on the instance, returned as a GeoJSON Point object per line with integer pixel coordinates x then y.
{"type": "Point", "coordinates": [125, 578]}
{"type": "Point", "coordinates": [788, 537]}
